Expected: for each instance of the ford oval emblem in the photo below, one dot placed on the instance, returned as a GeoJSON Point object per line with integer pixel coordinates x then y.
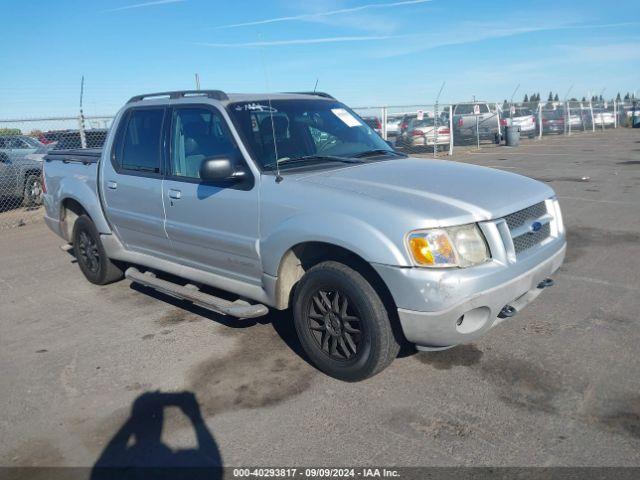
{"type": "Point", "coordinates": [535, 227]}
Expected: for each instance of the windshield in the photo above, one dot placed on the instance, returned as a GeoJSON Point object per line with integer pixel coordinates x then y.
{"type": "Point", "coordinates": [32, 142]}
{"type": "Point", "coordinates": [302, 128]}
{"type": "Point", "coordinates": [552, 114]}
{"type": "Point", "coordinates": [425, 122]}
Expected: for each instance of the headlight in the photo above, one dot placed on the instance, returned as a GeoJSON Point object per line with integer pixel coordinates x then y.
{"type": "Point", "coordinates": [448, 247]}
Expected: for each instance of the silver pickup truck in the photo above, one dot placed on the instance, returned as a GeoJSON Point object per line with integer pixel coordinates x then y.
{"type": "Point", "coordinates": [292, 201]}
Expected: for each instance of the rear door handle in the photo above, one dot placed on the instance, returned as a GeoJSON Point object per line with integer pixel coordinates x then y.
{"type": "Point", "coordinates": [176, 194]}
{"type": "Point", "coordinates": [112, 185]}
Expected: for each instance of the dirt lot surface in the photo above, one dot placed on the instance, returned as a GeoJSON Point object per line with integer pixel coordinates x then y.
{"type": "Point", "coordinates": [86, 367]}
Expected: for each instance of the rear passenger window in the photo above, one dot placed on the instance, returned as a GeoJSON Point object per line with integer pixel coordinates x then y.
{"type": "Point", "coordinates": [141, 142]}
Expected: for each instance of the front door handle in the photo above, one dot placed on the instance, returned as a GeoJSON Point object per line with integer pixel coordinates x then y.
{"type": "Point", "coordinates": [176, 194]}
{"type": "Point", "coordinates": [112, 185]}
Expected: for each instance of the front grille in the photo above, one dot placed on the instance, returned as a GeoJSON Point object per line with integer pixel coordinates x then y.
{"type": "Point", "coordinates": [520, 217]}
{"type": "Point", "coordinates": [527, 216]}
{"type": "Point", "coordinates": [528, 240]}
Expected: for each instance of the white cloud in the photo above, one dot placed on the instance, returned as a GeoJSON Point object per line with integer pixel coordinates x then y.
{"type": "Point", "coordinates": [300, 41]}
{"type": "Point", "coordinates": [314, 16]}
{"type": "Point", "coordinates": [146, 4]}
{"type": "Point", "coordinates": [472, 32]}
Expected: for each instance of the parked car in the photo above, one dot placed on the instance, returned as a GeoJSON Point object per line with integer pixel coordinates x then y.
{"type": "Point", "coordinates": [466, 122]}
{"type": "Point", "coordinates": [71, 139]}
{"type": "Point", "coordinates": [393, 125]}
{"type": "Point", "coordinates": [552, 121]}
{"type": "Point", "coordinates": [404, 123]}
{"type": "Point", "coordinates": [422, 133]}
{"type": "Point", "coordinates": [368, 247]}
{"type": "Point", "coordinates": [522, 117]}
{"type": "Point", "coordinates": [18, 145]}
{"type": "Point", "coordinates": [374, 123]}
{"type": "Point", "coordinates": [603, 117]}
{"type": "Point", "coordinates": [20, 177]}
{"type": "Point", "coordinates": [51, 137]}
{"type": "Point", "coordinates": [576, 118]}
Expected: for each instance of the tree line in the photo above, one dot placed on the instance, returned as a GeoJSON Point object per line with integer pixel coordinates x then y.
{"type": "Point", "coordinates": [554, 97]}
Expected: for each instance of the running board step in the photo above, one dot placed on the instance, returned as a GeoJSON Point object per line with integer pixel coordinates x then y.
{"type": "Point", "coordinates": [238, 308]}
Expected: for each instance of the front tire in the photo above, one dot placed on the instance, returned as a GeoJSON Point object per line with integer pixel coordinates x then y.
{"type": "Point", "coordinates": [342, 323]}
{"type": "Point", "coordinates": [90, 253]}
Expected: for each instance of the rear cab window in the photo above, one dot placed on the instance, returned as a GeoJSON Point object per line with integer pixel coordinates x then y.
{"type": "Point", "coordinates": [138, 142]}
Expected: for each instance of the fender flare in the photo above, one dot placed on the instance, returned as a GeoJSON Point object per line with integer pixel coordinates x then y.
{"type": "Point", "coordinates": [88, 199]}
{"type": "Point", "coordinates": [340, 230]}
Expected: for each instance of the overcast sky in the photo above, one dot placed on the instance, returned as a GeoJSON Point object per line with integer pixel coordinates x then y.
{"type": "Point", "coordinates": [365, 52]}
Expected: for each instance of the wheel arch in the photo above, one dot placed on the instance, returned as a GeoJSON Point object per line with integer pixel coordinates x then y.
{"type": "Point", "coordinates": [72, 207]}
{"type": "Point", "coordinates": [303, 256]}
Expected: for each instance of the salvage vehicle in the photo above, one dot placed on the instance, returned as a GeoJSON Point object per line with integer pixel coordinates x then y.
{"type": "Point", "coordinates": [553, 121]}
{"type": "Point", "coordinates": [290, 201]}
{"type": "Point", "coordinates": [21, 176]}
{"type": "Point", "coordinates": [423, 132]}
{"type": "Point", "coordinates": [473, 121]}
{"type": "Point", "coordinates": [522, 117]}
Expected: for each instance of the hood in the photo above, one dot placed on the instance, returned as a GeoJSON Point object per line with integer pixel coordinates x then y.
{"type": "Point", "coordinates": [440, 192]}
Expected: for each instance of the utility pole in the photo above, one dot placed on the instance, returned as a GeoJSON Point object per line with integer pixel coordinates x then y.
{"type": "Point", "coordinates": [83, 139]}
{"type": "Point", "coordinates": [435, 121]}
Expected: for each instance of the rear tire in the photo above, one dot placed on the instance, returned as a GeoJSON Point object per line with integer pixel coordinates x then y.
{"type": "Point", "coordinates": [90, 253]}
{"type": "Point", "coordinates": [32, 193]}
{"type": "Point", "coordinates": [342, 323]}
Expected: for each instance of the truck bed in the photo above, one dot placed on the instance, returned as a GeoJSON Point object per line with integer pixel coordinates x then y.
{"type": "Point", "coordinates": [72, 174]}
{"type": "Point", "coordinates": [81, 155]}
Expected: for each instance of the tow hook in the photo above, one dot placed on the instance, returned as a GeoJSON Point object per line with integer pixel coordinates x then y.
{"type": "Point", "coordinates": [507, 312]}
{"type": "Point", "coordinates": [547, 282]}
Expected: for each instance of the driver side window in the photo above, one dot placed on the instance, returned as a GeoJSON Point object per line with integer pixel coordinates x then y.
{"type": "Point", "coordinates": [198, 133]}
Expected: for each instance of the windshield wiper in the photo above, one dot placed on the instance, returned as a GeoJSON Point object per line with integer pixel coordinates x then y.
{"type": "Point", "coordinates": [311, 158]}
{"type": "Point", "coordinates": [376, 152]}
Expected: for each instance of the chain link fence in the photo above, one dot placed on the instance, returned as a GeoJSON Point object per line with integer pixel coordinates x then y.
{"type": "Point", "coordinates": [23, 145]}
{"type": "Point", "coordinates": [429, 130]}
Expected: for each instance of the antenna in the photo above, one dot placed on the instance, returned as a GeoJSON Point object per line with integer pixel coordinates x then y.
{"type": "Point", "coordinates": [273, 129]}
{"type": "Point", "coordinates": [514, 93]}
{"type": "Point", "coordinates": [511, 100]}
{"type": "Point", "coordinates": [316, 85]}
{"type": "Point", "coordinates": [566, 95]}
{"type": "Point", "coordinates": [197, 81]}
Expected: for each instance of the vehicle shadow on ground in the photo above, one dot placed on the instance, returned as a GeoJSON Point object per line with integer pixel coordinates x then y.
{"type": "Point", "coordinates": [281, 321]}
{"type": "Point", "coordinates": [137, 451]}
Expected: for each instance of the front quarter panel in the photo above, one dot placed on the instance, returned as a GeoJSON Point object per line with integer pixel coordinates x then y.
{"type": "Point", "coordinates": [337, 229]}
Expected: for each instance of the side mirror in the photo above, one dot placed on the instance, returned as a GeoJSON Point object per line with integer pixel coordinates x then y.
{"type": "Point", "coordinates": [219, 169]}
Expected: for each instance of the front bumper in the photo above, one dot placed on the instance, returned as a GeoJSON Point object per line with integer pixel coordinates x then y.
{"type": "Point", "coordinates": [429, 306]}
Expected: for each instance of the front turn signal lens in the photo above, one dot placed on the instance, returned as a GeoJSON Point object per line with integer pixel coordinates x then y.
{"type": "Point", "coordinates": [432, 249]}
{"type": "Point", "coordinates": [461, 246]}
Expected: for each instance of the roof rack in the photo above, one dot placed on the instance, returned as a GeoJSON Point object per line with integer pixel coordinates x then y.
{"type": "Point", "coordinates": [216, 94]}
{"type": "Point", "coordinates": [317, 94]}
